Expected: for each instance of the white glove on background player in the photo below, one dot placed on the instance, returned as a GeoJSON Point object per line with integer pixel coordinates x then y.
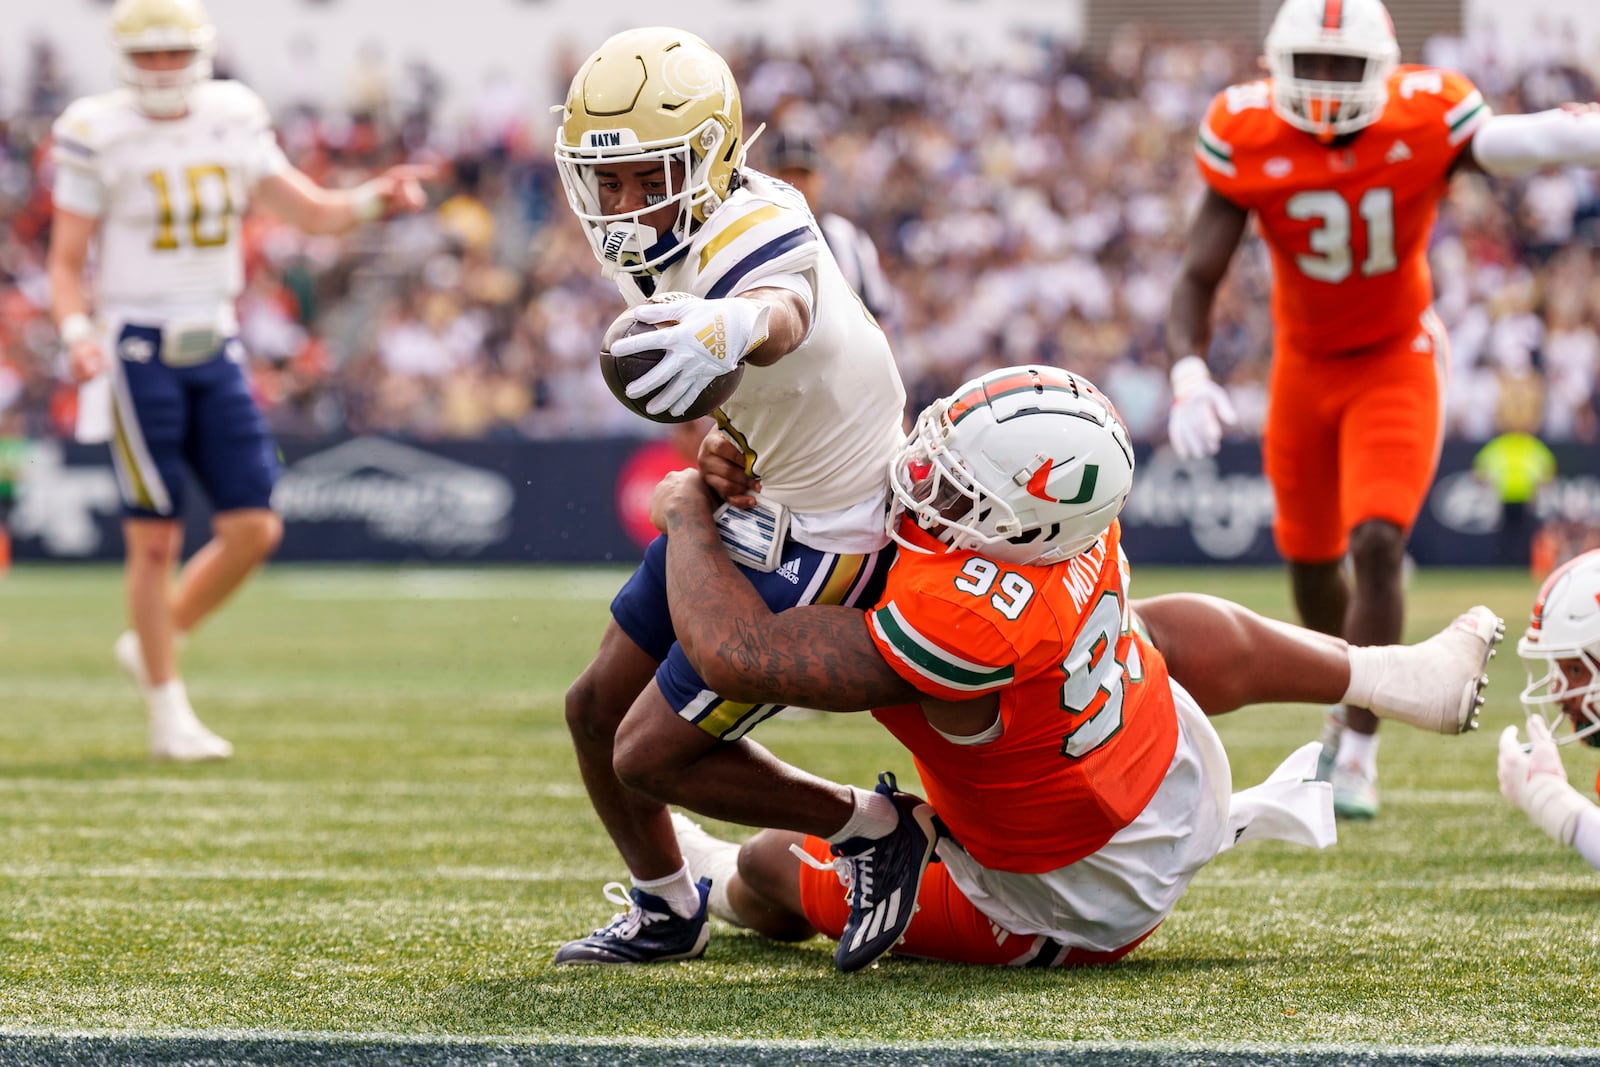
{"type": "Point", "coordinates": [707, 340]}
{"type": "Point", "coordinates": [1536, 782]}
{"type": "Point", "coordinates": [1200, 408]}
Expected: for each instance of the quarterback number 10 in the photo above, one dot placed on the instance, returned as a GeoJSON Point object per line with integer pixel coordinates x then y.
{"type": "Point", "coordinates": [210, 207]}
{"type": "Point", "coordinates": [1331, 239]}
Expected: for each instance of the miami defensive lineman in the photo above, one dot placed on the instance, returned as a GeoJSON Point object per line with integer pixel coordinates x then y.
{"type": "Point", "coordinates": [733, 268]}
{"type": "Point", "coordinates": [156, 175]}
{"type": "Point", "coordinates": [1057, 726]}
{"type": "Point", "coordinates": [1342, 156]}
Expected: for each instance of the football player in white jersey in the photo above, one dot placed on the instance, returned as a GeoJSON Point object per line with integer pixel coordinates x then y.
{"type": "Point", "coordinates": [1561, 652]}
{"type": "Point", "coordinates": [732, 266]}
{"type": "Point", "coordinates": [155, 176]}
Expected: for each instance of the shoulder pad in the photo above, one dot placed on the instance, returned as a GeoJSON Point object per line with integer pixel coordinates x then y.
{"type": "Point", "coordinates": [92, 121]}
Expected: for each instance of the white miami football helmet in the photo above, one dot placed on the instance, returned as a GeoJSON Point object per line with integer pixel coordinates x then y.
{"type": "Point", "coordinates": [1027, 465]}
{"type": "Point", "coordinates": [653, 94]}
{"type": "Point", "coordinates": [162, 26]}
{"type": "Point", "coordinates": [1561, 650]}
{"type": "Point", "coordinates": [1308, 98]}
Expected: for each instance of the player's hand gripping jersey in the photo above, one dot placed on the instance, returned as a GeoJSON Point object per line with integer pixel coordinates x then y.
{"type": "Point", "coordinates": [958, 625]}
{"type": "Point", "coordinates": [1347, 221]}
{"type": "Point", "coordinates": [169, 194]}
{"type": "Point", "coordinates": [816, 425]}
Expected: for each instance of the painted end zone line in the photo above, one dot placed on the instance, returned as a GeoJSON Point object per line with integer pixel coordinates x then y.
{"type": "Point", "coordinates": [390, 1050]}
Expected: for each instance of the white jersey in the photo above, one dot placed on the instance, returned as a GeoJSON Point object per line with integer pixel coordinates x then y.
{"type": "Point", "coordinates": [819, 425]}
{"type": "Point", "coordinates": [169, 194]}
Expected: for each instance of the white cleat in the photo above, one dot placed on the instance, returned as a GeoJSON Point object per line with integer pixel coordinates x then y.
{"type": "Point", "coordinates": [130, 657]}
{"type": "Point", "coordinates": [1437, 685]}
{"type": "Point", "coordinates": [176, 733]}
{"type": "Point", "coordinates": [1355, 791]}
{"type": "Point", "coordinates": [188, 742]}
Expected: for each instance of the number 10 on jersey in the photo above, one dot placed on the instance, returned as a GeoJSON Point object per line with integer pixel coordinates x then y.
{"type": "Point", "coordinates": [208, 222]}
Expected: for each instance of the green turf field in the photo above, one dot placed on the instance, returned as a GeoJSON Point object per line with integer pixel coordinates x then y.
{"type": "Point", "coordinates": [402, 841]}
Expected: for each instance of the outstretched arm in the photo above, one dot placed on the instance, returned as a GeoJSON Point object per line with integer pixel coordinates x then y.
{"type": "Point", "coordinates": [295, 198]}
{"type": "Point", "coordinates": [816, 655]}
{"type": "Point", "coordinates": [1516, 144]}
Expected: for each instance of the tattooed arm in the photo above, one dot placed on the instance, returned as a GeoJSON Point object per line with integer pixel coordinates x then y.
{"type": "Point", "coordinates": [815, 655]}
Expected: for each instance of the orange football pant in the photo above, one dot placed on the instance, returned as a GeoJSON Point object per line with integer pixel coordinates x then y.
{"type": "Point", "coordinates": [1353, 438]}
{"type": "Point", "coordinates": [946, 925]}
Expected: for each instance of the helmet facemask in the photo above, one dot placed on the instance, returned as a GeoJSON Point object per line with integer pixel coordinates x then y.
{"type": "Point", "coordinates": [1308, 50]}
{"type": "Point", "coordinates": [1565, 687]}
{"type": "Point", "coordinates": [622, 240]}
{"type": "Point", "coordinates": [931, 484]}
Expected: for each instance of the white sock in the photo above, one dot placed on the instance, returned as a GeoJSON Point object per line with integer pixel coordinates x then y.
{"type": "Point", "coordinates": [874, 816]}
{"type": "Point", "coordinates": [1359, 749]}
{"type": "Point", "coordinates": [713, 858]}
{"type": "Point", "coordinates": [168, 700]}
{"type": "Point", "coordinates": [1368, 666]}
{"type": "Point", "coordinates": [677, 890]}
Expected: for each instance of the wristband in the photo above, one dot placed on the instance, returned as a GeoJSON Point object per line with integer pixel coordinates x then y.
{"type": "Point", "coordinates": [76, 327]}
{"type": "Point", "coordinates": [368, 203]}
{"type": "Point", "coordinates": [1187, 373]}
{"type": "Point", "coordinates": [1553, 805]}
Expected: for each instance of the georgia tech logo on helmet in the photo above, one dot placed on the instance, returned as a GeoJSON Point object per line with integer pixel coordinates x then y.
{"type": "Point", "coordinates": [689, 74]}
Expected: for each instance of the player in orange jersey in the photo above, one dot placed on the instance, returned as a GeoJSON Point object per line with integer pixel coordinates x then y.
{"type": "Point", "coordinates": [1059, 728]}
{"type": "Point", "coordinates": [1561, 653]}
{"type": "Point", "coordinates": [1342, 156]}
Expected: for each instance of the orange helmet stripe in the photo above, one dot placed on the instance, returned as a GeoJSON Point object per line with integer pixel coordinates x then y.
{"type": "Point", "coordinates": [1028, 380]}
{"type": "Point", "coordinates": [1536, 622]}
{"type": "Point", "coordinates": [1332, 14]}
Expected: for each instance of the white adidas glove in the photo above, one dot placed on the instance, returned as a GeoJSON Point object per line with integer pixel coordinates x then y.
{"type": "Point", "coordinates": [708, 340]}
{"type": "Point", "coordinates": [1200, 408]}
{"type": "Point", "coordinates": [1535, 781]}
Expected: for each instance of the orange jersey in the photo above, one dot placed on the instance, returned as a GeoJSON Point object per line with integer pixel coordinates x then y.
{"type": "Point", "coordinates": [1088, 728]}
{"type": "Point", "coordinates": [1347, 223]}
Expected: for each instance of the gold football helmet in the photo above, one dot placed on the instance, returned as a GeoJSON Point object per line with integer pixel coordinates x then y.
{"type": "Point", "coordinates": [162, 26]}
{"type": "Point", "coordinates": [648, 94]}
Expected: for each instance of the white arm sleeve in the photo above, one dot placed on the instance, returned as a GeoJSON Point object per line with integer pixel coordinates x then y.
{"type": "Point", "coordinates": [1515, 144]}
{"type": "Point", "coordinates": [1587, 838]}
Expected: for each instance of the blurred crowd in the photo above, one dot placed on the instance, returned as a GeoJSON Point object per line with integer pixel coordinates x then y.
{"type": "Point", "coordinates": [1027, 207]}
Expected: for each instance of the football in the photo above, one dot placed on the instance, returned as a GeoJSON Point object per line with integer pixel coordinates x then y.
{"type": "Point", "coordinates": [619, 371]}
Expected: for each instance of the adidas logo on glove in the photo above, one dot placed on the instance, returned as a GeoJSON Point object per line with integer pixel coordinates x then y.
{"type": "Point", "coordinates": [715, 338]}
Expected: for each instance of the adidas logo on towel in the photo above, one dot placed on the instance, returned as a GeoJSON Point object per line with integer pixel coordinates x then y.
{"type": "Point", "coordinates": [790, 571]}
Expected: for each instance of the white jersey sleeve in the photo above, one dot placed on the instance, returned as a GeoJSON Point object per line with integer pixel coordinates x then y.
{"type": "Point", "coordinates": [820, 424]}
{"type": "Point", "coordinates": [78, 187]}
{"type": "Point", "coordinates": [170, 196]}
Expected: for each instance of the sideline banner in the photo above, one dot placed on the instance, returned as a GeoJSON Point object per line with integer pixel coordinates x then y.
{"type": "Point", "coordinates": [384, 500]}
